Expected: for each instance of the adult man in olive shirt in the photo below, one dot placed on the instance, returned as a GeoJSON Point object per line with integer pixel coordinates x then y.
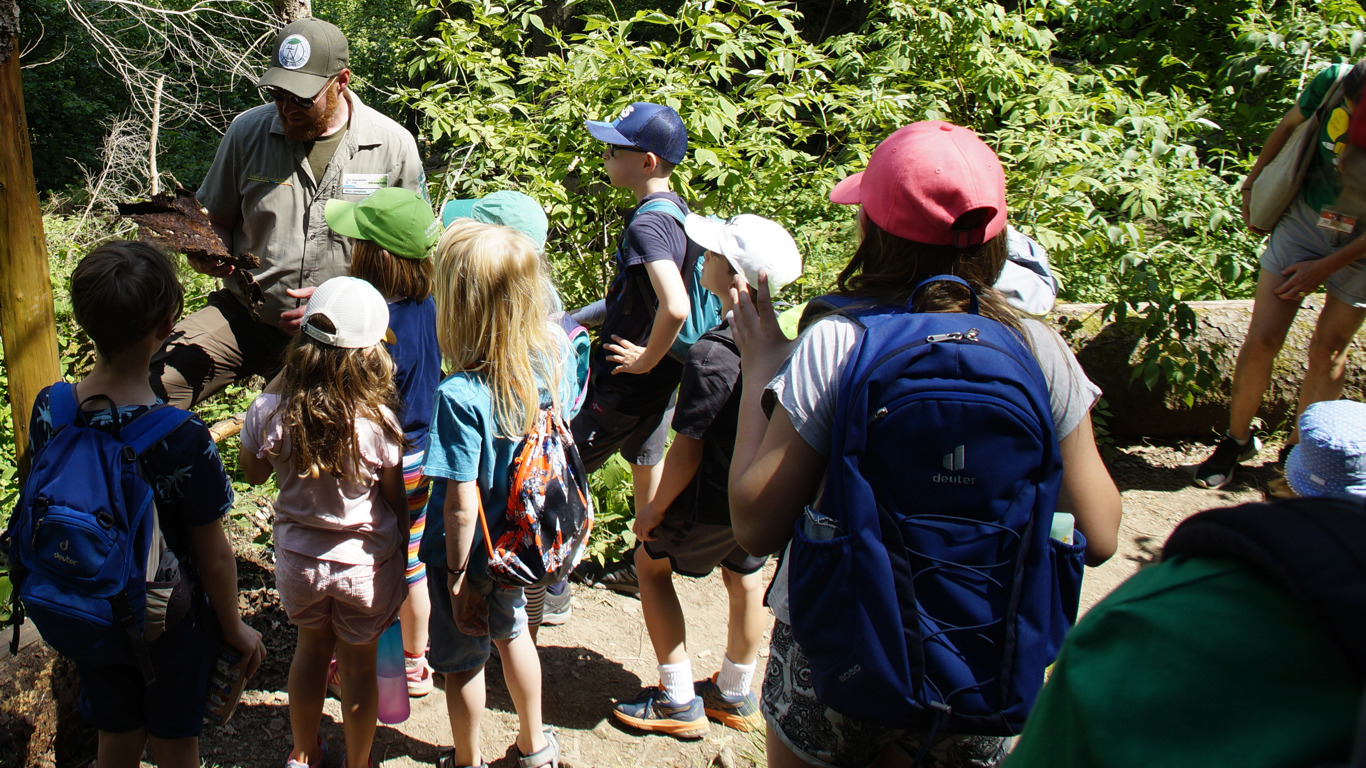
{"type": "Point", "coordinates": [275, 170]}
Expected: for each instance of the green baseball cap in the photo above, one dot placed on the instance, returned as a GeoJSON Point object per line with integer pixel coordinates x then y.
{"type": "Point", "coordinates": [305, 56]}
{"type": "Point", "coordinates": [396, 219]}
{"type": "Point", "coordinates": [513, 210]}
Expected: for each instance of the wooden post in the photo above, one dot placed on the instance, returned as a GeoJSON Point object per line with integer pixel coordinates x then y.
{"type": "Point", "coordinates": [27, 328]}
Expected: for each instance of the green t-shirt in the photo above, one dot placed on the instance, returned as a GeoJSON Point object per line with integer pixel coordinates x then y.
{"type": "Point", "coordinates": [320, 152]}
{"type": "Point", "coordinates": [1193, 662]}
{"type": "Point", "coordinates": [1323, 183]}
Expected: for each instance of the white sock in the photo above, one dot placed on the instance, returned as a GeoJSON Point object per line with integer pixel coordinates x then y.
{"type": "Point", "coordinates": [734, 679]}
{"type": "Point", "coordinates": [676, 680]}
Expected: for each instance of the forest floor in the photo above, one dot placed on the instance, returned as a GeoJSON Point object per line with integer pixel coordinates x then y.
{"type": "Point", "coordinates": [601, 655]}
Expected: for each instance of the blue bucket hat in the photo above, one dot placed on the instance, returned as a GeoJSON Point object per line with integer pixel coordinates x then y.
{"type": "Point", "coordinates": [648, 127]}
{"type": "Point", "coordinates": [1330, 459]}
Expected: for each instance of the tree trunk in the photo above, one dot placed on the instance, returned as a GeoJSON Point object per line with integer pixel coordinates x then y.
{"type": "Point", "coordinates": [1108, 354]}
{"type": "Point", "coordinates": [27, 328]}
{"type": "Point", "coordinates": [290, 11]}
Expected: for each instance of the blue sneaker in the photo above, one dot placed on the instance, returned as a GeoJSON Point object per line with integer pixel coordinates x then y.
{"type": "Point", "coordinates": [740, 713]}
{"type": "Point", "coordinates": [650, 711]}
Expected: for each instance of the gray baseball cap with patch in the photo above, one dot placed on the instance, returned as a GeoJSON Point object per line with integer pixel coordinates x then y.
{"type": "Point", "coordinates": [307, 53]}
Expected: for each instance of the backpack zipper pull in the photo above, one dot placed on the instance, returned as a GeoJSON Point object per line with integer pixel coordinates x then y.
{"type": "Point", "coordinates": [970, 335]}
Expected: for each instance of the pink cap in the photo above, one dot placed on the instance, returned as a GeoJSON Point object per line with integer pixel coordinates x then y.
{"type": "Point", "coordinates": [931, 182]}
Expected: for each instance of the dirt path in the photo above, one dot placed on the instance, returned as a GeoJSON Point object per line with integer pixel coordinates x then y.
{"type": "Point", "coordinates": [603, 653]}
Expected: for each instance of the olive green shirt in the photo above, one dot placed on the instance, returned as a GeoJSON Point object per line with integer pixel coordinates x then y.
{"type": "Point", "coordinates": [261, 180]}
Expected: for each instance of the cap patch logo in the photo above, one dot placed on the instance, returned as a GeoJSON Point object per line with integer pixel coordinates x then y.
{"type": "Point", "coordinates": [625, 113]}
{"type": "Point", "coordinates": [295, 52]}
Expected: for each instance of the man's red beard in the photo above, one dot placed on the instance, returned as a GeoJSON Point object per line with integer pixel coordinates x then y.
{"type": "Point", "coordinates": [314, 128]}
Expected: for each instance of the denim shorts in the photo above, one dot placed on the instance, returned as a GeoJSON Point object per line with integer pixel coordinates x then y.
{"type": "Point", "coordinates": [821, 736]}
{"type": "Point", "coordinates": [116, 698]}
{"type": "Point", "coordinates": [1298, 237]}
{"type": "Point", "coordinates": [454, 651]}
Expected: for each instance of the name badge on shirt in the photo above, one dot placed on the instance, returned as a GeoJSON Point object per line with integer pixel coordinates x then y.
{"type": "Point", "coordinates": [1338, 222]}
{"type": "Point", "coordinates": [363, 183]}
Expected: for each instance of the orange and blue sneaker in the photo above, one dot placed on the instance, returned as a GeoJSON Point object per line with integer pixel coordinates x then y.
{"type": "Point", "coordinates": [738, 712]}
{"type": "Point", "coordinates": [651, 711]}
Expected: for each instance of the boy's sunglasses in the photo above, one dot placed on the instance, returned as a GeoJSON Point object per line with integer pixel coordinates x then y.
{"type": "Point", "coordinates": [280, 94]}
{"type": "Point", "coordinates": [612, 149]}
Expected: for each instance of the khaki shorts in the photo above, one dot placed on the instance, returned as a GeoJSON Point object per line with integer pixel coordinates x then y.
{"type": "Point", "coordinates": [212, 348]}
{"type": "Point", "coordinates": [358, 602]}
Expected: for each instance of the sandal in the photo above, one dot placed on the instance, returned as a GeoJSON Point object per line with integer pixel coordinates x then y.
{"type": "Point", "coordinates": [445, 758]}
{"type": "Point", "coordinates": [549, 755]}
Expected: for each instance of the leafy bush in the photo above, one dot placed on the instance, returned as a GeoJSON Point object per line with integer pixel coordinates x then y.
{"type": "Point", "coordinates": [1119, 182]}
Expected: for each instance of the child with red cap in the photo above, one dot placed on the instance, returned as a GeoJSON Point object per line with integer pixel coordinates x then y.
{"type": "Point", "coordinates": [932, 203]}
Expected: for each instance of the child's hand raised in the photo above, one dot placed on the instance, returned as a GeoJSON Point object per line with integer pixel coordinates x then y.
{"type": "Point", "coordinates": [763, 346]}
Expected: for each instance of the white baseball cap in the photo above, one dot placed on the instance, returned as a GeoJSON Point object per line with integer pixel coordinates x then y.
{"type": "Point", "coordinates": [355, 309]}
{"type": "Point", "coordinates": [750, 243]}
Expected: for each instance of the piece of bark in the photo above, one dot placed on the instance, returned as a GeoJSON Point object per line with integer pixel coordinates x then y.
{"type": "Point", "coordinates": [1109, 351]}
{"type": "Point", "coordinates": [227, 428]}
{"type": "Point", "coordinates": [175, 222]}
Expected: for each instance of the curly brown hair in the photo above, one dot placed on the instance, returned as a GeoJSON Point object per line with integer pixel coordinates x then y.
{"type": "Point", "coordinates": [326, 390]}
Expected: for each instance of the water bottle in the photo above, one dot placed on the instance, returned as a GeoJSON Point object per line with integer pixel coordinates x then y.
{"type": "Point", "coordinates": [393, 682]}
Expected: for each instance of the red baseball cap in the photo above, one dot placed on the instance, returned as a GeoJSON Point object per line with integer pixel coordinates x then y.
{"type": "Point", "coordinates": [931, 182]}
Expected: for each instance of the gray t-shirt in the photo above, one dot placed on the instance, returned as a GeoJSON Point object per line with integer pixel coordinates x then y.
{"type": "Point", "coordinates": [806, 387]}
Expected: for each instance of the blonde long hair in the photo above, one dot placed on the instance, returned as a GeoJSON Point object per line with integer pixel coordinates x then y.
{"type": "Point", "coordinates": [325, 391]}
{"type": "Point", "coordinates": [493, 305]}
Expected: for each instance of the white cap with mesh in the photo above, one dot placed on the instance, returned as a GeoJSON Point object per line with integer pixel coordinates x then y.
{"type": "Point", "coordinates": [357, 312]}
{"type": "Point", "coordinates": [751, 244]}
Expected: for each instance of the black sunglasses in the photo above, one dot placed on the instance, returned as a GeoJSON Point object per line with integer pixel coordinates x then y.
{"type": "Point", "coordinates": [612, 149]}
{"type": "Point", "coordinates": [279, 94]}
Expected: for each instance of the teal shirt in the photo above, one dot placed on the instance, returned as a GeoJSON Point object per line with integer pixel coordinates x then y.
{"type": "Point", "coordinates": [463, 445]}
{"type": "Point", "coordinates": [1193, 662]}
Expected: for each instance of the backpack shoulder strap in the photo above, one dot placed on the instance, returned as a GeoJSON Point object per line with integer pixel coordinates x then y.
{"type": "Point", "coordinates": [1315, 549]}
{"type": "Point", "coordinates": [153, 426]}
{"type": "Point", "coordinates": [62, 405]}
{"type": "Point", "coordinates": [662, 205]}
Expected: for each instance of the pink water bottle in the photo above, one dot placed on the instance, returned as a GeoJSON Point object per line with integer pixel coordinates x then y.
{"type": "Point", "coordinates": [393, 683]}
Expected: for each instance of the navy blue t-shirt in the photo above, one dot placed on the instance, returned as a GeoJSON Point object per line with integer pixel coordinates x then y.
{"type": "Point", "coordinates": [417, 363]}
{"type": "Point", "coordinates": [188, 480]}
{"type": "Point", "coordinates": [631, 306]}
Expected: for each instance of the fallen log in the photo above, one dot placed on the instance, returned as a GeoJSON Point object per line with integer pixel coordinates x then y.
{"type": "Point", "coordinates": [1109, 351]}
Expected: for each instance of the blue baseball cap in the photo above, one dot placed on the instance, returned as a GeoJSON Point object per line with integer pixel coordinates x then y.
{"type": "Point", "coordinates": [645, 126]}
{"type": "Point", "coordinates": [1330, 459]}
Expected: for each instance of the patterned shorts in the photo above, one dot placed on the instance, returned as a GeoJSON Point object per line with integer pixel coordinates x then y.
{"type": "Point", "coordinates": [824, 737]}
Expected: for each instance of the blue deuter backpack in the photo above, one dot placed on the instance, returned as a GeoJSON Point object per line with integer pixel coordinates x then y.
{"type": "Point", "coordinates": [80, 535]}
{"type": "Point", "coordinates": [704, 307]}
{"type": "Point", "coordinates": [924, 587]}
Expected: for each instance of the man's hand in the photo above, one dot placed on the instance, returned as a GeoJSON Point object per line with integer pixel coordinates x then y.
{"type": "Point", "coordinates": [1303, 278]}
{"type": "Point", "coordinates": [212, 267]}
{"type": "Point", "coordinates": [627, 355]}
{"type": "Point", "coordinates": [290, 320]}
